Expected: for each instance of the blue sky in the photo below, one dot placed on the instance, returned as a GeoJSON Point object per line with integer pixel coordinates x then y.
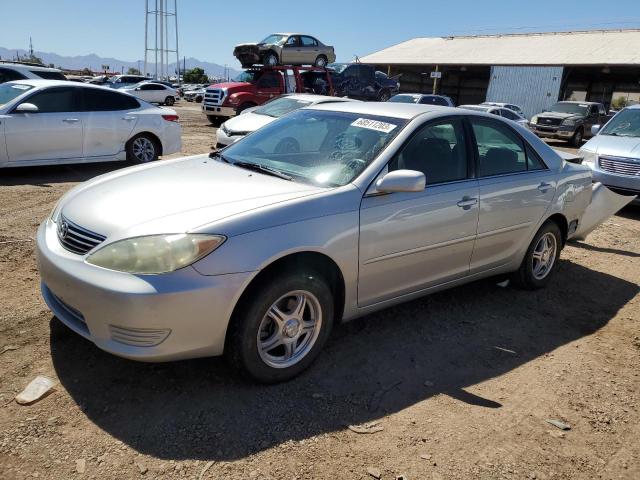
{"type": "Point", "coordinates": [209, 29]}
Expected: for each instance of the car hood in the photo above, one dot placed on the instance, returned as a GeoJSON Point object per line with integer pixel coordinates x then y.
{"type": "Point", "coordinates": [230, 85]}
{"type": "Point", "coordinates": [173, 196]}
{"type": "Point", "coordinates": [559, 115]}
{"type": "Point", "coordinates": [614, 146]}
{"type": "Point", "coordinates": [247, 122]}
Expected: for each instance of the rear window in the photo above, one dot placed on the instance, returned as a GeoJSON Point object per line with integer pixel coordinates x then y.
{"type": "Point", "coordinates": [49, 75]}
{"type": "Point", "coordinates": [8, 75]}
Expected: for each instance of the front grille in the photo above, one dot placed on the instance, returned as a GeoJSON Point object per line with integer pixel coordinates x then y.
{"type": "Point", "coordinates": [77, 239]}
{"type": "Point", "coordinates": [214, 97]}
{"type": "Point", "coordinates": [620, 165]}
{"type": "Point", "coordinates": [549, 121]}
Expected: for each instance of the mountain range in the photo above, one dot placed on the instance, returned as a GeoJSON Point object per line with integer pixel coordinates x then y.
{"type": "Point", "coordinates": [95, 62]}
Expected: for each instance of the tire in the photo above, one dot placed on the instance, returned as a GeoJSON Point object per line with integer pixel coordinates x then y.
{"type": "Point", "coordinates": [577, 138]}
{"type": "Point", "coordinates": [270, 59]}
{"type": "Point", "coordinates": [244, 106]}
{"type": "Point", "coordinates": [270, 349]}
{"type": "Point", "coordinates": [321, 61]}
{"type": "Point", "coordinates": [198, 99]}
{"type": "Point", "coordinates": [530, 275]}
{"type": "Point", "coordinates": [169, 101]}
{"type": "Point", "coordinates": [384, 96]}
{"type": "Point", "coordinates": [142, 148]}
{"type": "Point", "coordinates": [215, 120]}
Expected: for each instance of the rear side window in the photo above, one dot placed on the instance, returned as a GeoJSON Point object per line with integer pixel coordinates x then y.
{"type": "Point", "coordinates": [98, 100]}
{"type": "Point", "coordinates": [506, 113]}
{"type": "Point", "coordinates": [49, 75]}
{"type": "Point", "coordinates": [308, 42]}
{"type": "Point", "coordinates": [8, 75]}
{"type": "Point", "coordinates": [57, 99]}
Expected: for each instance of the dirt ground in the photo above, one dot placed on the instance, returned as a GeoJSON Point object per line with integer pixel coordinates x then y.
{"type": "Point", "coordinates": [461, 383]}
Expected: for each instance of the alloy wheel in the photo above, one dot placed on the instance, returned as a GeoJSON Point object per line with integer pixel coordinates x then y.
{"type": "Point", "coordinates": [143, 149]}
{"type": "Point", "coordinates": [544, 256]}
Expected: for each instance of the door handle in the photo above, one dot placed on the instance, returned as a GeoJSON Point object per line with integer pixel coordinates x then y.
{"type": "Point", "coordinates": [71, 120]}
{"type": "Point", "coordinates": [128, 119]}
{"type": "Point", "coordinates": [544, 186]}
{"type": "Point", "coordinates": [467, 202]}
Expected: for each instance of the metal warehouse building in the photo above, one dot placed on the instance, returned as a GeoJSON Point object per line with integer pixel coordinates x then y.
{"type": "Point", "coordinates": [532, 70]}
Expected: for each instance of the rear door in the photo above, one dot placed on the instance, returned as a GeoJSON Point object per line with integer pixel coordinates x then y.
{"type": "Point", "coordinates": [108, 118]}
{"type": "Point", "coordinates": [269, 85]}
{"type": "Point", "coordinates": [54, 132]}
{"type": "Point", "coordinates": [309, 50]}
{"type": "Point", "coordinates": [516, 189]}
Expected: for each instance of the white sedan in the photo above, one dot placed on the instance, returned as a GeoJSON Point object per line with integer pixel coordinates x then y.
{"type": "Point", "coordinates": [505, 112]}
{"type": "Point", "coordinates": [44, 122]}
{"type": "Point", "coordinates": [254, 118]}
{"type": "Point", "coordinates": [153, 92]}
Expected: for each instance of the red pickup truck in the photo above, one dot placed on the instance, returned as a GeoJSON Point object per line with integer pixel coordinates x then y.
{"type": "Point", "coordinates": [256, 86]}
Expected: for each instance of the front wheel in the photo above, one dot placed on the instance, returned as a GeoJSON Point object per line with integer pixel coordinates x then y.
{"type": "Point", "coordinates": [576, 140]}
{"type": "Point", "coordinates": [142, 149]}
{"type": "Point", "coordinates": [270, 59]}
{"type": "Point", "coordinates": [541, 258]}
{"type": "Point", "coordinates": [169, 100]}
{"type": "Point", "coordinates": [282, 328]}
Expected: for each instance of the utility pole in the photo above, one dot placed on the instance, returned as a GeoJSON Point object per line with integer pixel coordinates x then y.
{"type": "Point", "coordinates": [161, 21]}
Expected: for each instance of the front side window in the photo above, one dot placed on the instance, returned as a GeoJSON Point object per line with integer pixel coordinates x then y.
{"type": "Point", "coordinates": [273, 40]}
{"type": "Point", "coordinates": [438, 150]}
{"type": "Point", "coordinates": [292, 41]}
{"type": "Point", "coordinates": [246, 77]}
{"type": "Point", "coordinates": [318, 147]}
{"type": "Point", "coordinates": [500, 150]}
{"type": "Point", "coordinates": [9, 92]}
{"type": "Point", "coordinates": [55, 100]}
{"type": "Point", "coordinates": [49, 75]}
{"type": "Point", "coordinates": [625, 124]}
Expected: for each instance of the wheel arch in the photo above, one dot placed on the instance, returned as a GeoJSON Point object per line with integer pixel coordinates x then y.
{"type": "Point", "coordinates": [560, 220]}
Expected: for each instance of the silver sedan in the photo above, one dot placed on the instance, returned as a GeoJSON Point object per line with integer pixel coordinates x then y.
{"type": "Point", "coordinates": [255, 252]}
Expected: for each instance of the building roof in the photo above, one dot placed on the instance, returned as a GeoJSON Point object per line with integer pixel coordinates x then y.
{"type": "Point", "coordinates": [601, 47]}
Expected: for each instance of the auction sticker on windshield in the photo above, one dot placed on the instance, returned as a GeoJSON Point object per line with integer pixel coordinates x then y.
{"type": "Point", "coordinates": [376, 125]}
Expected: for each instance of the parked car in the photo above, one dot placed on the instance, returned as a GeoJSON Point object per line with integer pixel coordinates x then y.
{"type": "Point", "coordinates": [153, 92]}
{"type": "Point", "coordinates": [363, 82]}
{"type": "Point", "coordinates": [19, 71]}
{"type": "Point", "coordinates": [510, 106]}
{"type": "Point", "coordinates": [570, 121]}
{"type": "Point", "coordinates": [423, 99]}
{"type": "Point", "coordinates": [54, 122]}
{"type": "Point", "coordinates": [256, 86]}
{"type": "Point", "coordinates": [123, 81]}
{"type": "Point", "coordinates": [256, 253]}
{"type": "Point", "coordinates": [285, 49]}
{"type": "Point", "coordinates": [613, 154]}
{"type": "Point", "coordinates": [195, 95]}
{"type": "Point", "coordinates": [501, 112]}
{"type": "Point", "coordinates": [254, 118]}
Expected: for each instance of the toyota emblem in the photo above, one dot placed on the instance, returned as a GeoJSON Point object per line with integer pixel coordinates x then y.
{"type": "Point", "coordinates": [63, 230]}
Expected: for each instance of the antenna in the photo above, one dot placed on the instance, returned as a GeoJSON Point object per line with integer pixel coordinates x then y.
{"type": "Point", "coordinates": [160, 25]}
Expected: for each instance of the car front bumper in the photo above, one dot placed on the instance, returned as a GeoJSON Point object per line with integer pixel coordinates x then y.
{"type": "Point", "coordinates": [154, 318]}
{"type": "Point", "coordinates": [223, 139]}
{"type": "Point", "coordinates": [623, 184]}
{"type": "Point", "coordinates": [564, 133]}
{"type": "Point", "coordinates": [218, 111]}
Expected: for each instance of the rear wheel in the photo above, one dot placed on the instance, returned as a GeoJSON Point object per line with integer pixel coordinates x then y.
{"type": "Point", "coordinates": [215, 120]}
{"type": "Point", "coordinates": [169, 100]}
{"type": "Point", "coordinates": [321, 61]}
{"type": "Point", "coordinates": [282, 328]}
{"type": "Point", "coordinates": [541, 258]}
{"type": "Point", "coordinates": [142, 148]}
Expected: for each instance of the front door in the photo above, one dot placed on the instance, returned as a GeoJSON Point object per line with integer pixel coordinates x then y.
{"type": "Point", "coordinates": [53, 132]}
{"type": "Point", "coordinates": [291, 54]}
{"type": "Point", "coordinates": [270, 84]}
{"type": "Point", "coordinates": [516, 189]}
{"type": "Point", "coordinates": [412, 241]}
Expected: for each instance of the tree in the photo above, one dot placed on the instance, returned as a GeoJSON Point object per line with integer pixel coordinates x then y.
{"type": "Point", "coordinates": [133, 71]}
{"type": "Point", "coordinates": [195, 75]}
{"type": "Point", "coordinates": [619, 103]}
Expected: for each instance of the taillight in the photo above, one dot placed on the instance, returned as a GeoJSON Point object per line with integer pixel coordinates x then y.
{"type": "Point", "coordinates": [170, 118]}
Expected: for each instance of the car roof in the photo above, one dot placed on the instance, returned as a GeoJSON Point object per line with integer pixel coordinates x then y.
{"type": "Point", "coordinates": [41, 82]}
{"type": "Point", "coordinates": [479, 108]}
{"type": "Point", "coordinates": [36, 68]}
{"type": "Point", "coordinates": [405, 111]}
{"type": "Point", "coordinates": [578, 102]}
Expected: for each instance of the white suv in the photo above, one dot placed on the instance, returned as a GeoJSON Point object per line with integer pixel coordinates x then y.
{"type": "Point", "coordinates": [21, 71]}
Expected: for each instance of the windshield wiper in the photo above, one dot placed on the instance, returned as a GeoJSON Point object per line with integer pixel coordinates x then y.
{"type": "Point", "coordinates": [217, 154]}
{"type": "Point", "coordinates": [263, 169]}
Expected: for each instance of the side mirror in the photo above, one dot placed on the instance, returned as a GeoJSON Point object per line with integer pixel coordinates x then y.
{"type": "Point", "coordinates": [595, 129]}
{"type": "Point", "coordinates": [26, 108]}
{"type": "Point", "coordinates": [401, 181]}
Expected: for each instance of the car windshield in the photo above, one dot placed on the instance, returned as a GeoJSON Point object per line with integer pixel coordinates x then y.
{"type": "Point", "coordinates": [246, 77]}
{"type": "Point", "coordinates": [624, 124]}
{"type": "Point", "coordinates": [274, 40]}
{"type": "Point", "coordinates": [404, 99]}
{"type": "Point", "coordinates": [9, 91]}
{"type": "Point", "coordinates": [323, 148]}
{"type": "Point", "coordinates": [579, 108]}
{"type": "Point", "coordinates": [281, 106]}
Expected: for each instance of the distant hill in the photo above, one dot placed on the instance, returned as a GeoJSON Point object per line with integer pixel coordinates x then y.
{"type": "Point", "coordinates": [94, 62]}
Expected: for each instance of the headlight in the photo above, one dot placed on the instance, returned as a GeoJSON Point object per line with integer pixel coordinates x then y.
{"type": "Point", "coordinates": [155, 253]}
{"type": "Point", "coordinates": [588, 157]}
{"type": "Point", "coordinates": [534, 119]}
{"type": "Point", "coordinates": [569, 122]}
